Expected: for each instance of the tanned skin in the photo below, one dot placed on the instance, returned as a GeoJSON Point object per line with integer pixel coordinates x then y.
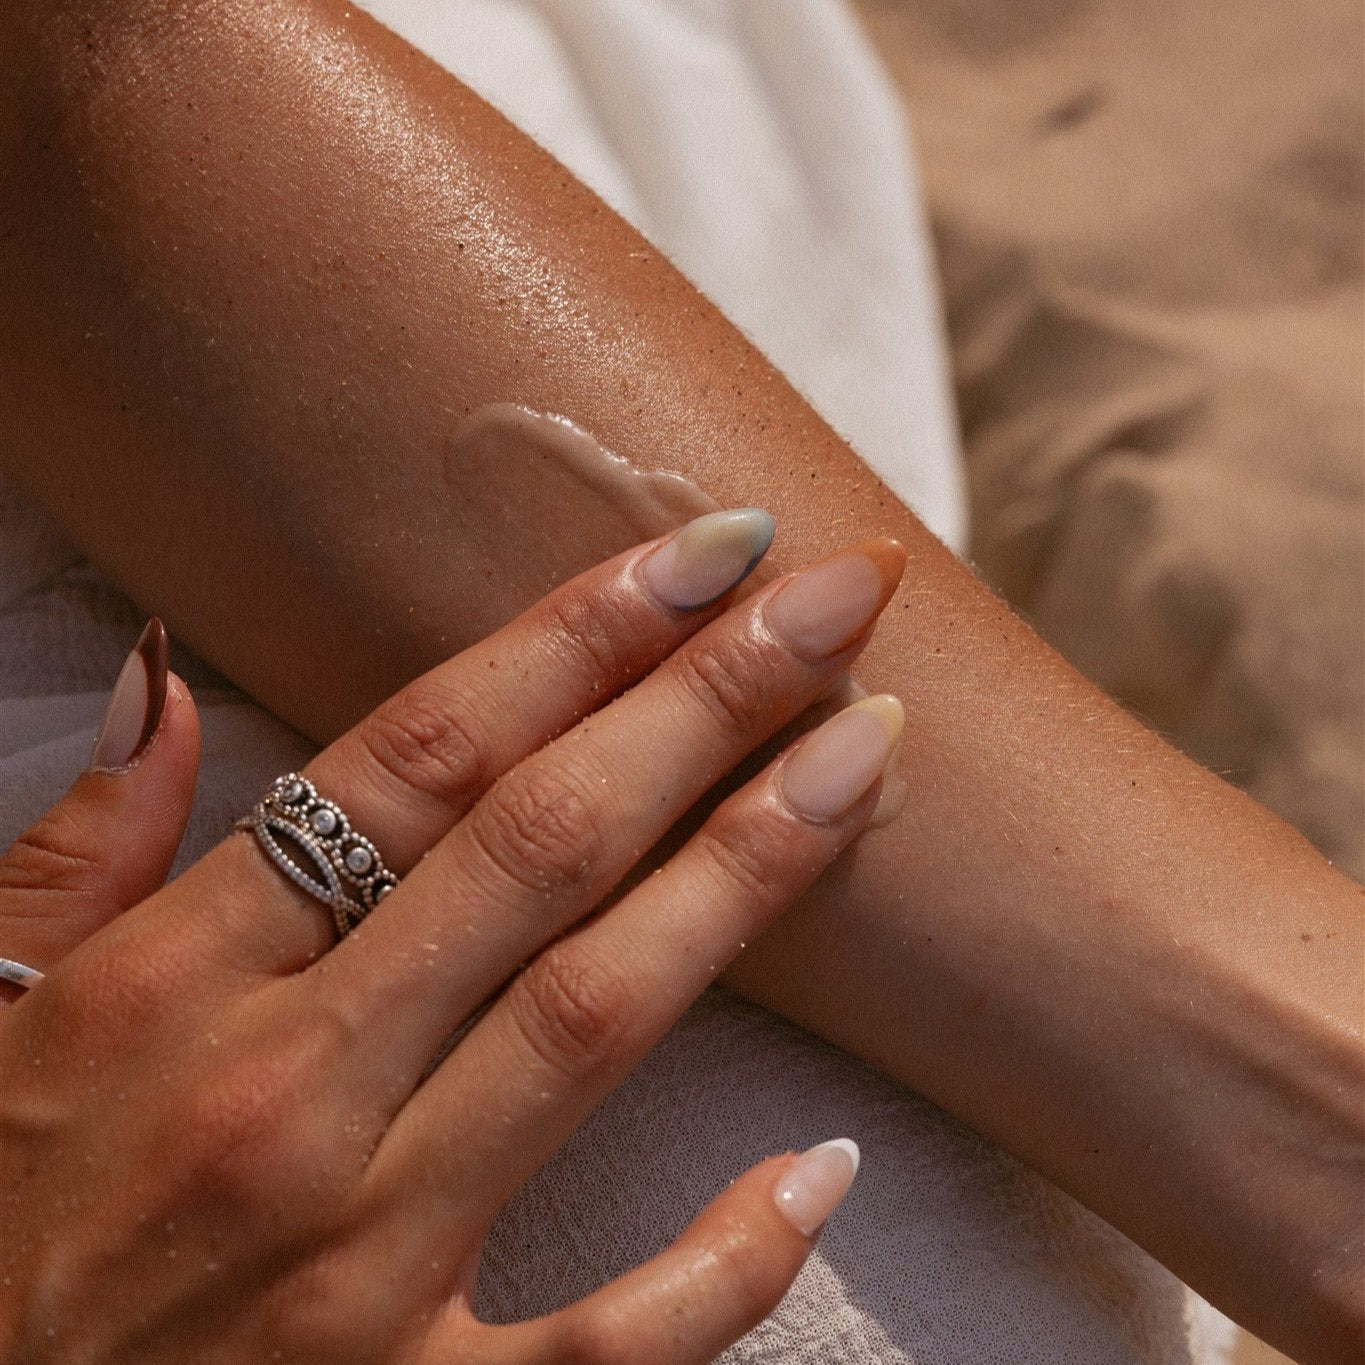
{"type": "Point", "coordinates": [257, 257]}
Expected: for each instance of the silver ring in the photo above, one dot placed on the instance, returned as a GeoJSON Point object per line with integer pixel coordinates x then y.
{"type": "Point", "coordinates": [17, 974]}
{"type": "Point", "coordinates": [347, 874]}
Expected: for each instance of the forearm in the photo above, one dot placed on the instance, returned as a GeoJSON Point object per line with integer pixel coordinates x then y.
{"type": "Point", "coordinates": [259, 259]}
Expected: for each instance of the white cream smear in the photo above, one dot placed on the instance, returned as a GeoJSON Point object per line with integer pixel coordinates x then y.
{"type": "Point", "coordinates": [548, 470]}
{"type": "Point", "coordinates": [541, 500]}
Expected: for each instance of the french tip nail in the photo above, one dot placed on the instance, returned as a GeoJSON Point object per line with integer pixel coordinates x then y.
{"type": "Point", "coordinates": [830, 770]}
{"type": "Point", "coordinates": [137, 702]}
{"type": "Point", "coordinates": [815, 1183]}
{"type": "Point", "coordinates": [829, 605]}
{"type": "Point", "coordinates": [849, 1148]}
{"type": "Point", "coordinates": [889, 712]}
{"type": "Point", "coordinates": [704, 559]}
{"type": "Point", "coordinates": [153, 642]}
{"type": "Point", "coordinates": [154, 648]}
{"type": "Point", "coordinates": [890, 556]}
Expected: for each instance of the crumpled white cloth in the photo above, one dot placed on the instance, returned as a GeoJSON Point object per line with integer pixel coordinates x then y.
{"type": "Point", "coordinates": [757, 144]}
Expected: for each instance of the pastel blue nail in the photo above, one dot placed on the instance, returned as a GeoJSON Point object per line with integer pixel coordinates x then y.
{"type": "Point", "coordinates": [707, 557]}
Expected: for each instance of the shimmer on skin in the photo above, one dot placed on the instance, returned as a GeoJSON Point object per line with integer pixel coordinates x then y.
{"type": "Point", "coordinates": [335, 253]}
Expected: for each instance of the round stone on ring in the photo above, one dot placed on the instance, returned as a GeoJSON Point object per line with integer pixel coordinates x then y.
{"type": "Point", "coordinates": [292, 811]}
{"type": "Point", "coordinates": [380, 887]}
{"type": "Point", "coordinates": [324, 821]}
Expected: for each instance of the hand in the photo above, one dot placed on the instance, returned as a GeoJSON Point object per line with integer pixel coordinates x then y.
{"type": "Point", "coordinates": [217, 1141]}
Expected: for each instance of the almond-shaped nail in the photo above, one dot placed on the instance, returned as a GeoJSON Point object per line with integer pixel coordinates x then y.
{"type": "Point", "coordinates": [812, 1187]}
{"type": "Point", "coordinates": [136, 704]}
{"type": "Point", "coordinates": [824, 608]}
{"type": "Point", "coordinates": [706, 558]}
{"type": "Point", "coordinates": [835, 764]}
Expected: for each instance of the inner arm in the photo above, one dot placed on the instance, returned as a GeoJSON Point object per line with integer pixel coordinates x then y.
{"type": "Point", "coordinates": [259, 259]}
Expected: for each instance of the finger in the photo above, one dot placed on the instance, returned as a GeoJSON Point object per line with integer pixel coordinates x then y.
{"type": "Point", "coordinates": [723, 1276]}
{"type": "Point", "coordinates": [567, 1030]}
{"type": "Point", "coordinates": [558, 832]}
{"type": "Point", "coordinates": [726, 1272]}
{"type": "Point", "coordinates": [412, 768]}
{"type": "Point", "coordinates": [110, 841]}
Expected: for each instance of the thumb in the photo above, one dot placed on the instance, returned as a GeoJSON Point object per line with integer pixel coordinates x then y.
{"type": "Point", "coordinates": [727, 1271]}
{"type": "Point", "coordinates": [110, 841]}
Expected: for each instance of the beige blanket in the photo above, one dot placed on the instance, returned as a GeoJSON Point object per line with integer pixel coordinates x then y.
{"type": "Point", "coordinates": [1148, 215]}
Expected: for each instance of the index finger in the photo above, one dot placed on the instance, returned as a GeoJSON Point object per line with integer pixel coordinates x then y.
{"type": "Point", "coordinates": [412, 768]}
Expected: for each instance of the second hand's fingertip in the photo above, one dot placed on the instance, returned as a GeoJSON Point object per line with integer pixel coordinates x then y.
{"type": "Point", "coordinates": [815, 1184]}
{"type": "Point", "coordinates": [136, 705]}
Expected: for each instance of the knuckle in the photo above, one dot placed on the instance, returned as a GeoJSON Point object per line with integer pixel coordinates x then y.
{"type": "Point", "coordinates": [103, 999]}
{"type": "Point", "coordinates": [224, 1135]}
{"type": "Point", "coordinates": [742, 855]}
{"type": "Point", "coordinates": [588, 1338]}
{"type": "Point", "coordinates": [539, 829]}
{"type": "Point", "coordinates": [570, 1008]}
{"type": "Point", "coordinates": [55, 853]}
{"type": "Point", "coordinates": [589, 634]}
{"type": "Point", "coordinates": [730, 680]}
{"type": "Point", "coordinates": [429, 744]}
{"type": "Point", "coordinates": [244, 1133]}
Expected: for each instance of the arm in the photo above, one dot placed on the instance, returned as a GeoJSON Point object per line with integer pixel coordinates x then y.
{"type": "Point", "coordinates": [258, 258]}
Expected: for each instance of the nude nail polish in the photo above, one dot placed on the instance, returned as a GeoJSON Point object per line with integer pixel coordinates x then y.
{"type": "Point", "coordinates": [707, 557]}
{"type": "Point", "coordinates": [824, 608]}
{"type": "Point", "coordinates": [815, 1183]}
{"type": "Point", "coordinates": [834, 765]}
{"type": "Point", "coordinates": [136, 704]}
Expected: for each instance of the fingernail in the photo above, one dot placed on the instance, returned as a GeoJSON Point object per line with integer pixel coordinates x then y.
{"type": "Point", "coordinates": [815, 1183]}
{"type": "Point", "coordinates": [707, 557]}
{"type": "Point", "coordinates": [826, 607]}
{"type": "Point", "coordinates": [833, 766]}
{"type": "Point", "coordinates": [138, 699]}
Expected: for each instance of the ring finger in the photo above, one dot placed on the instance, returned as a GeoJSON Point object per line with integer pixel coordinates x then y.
{"type": "Point", "coordinates": [557, 832]}
{"type": "Point", "coordinates": [414, 766]}
{"type": "Point", "coordinates": [587, 1008]}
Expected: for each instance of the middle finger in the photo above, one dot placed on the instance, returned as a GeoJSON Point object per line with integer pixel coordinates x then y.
{"type": "Point", "coordinates": [412, 768]}
{"type": "Point", "coordinates": [557, 832]}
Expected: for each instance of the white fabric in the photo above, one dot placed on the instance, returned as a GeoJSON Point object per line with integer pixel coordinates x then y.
{"type": "Point", "coordinates": [758, 146]}
{"type": "Point", "coordinates": [756, 143]}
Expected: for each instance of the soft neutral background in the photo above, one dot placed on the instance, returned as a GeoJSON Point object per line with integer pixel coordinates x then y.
{"type": "Point", "coordinates": [1148, 218]}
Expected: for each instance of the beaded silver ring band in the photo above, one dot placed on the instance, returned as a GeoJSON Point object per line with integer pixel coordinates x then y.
{"type": "Point", "coordinates": [346, 872]}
